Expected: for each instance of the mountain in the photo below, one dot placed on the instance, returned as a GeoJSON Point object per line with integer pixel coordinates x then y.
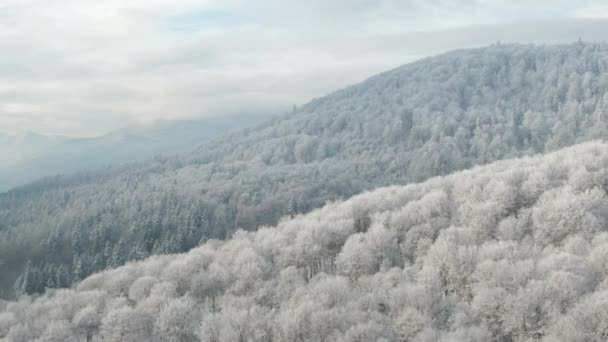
{"type": "Point", "coordinates": [25, 158]}
{"type": "Point", "coordinates": [16, 149]}
{"type": "Point", "coordinates": [427, 118]}
{"type": "Point", "coordinates": [512, 251]}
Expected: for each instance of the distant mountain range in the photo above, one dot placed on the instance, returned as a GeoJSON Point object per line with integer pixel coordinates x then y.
{"type": "Point", "coordinates": [27, 157]}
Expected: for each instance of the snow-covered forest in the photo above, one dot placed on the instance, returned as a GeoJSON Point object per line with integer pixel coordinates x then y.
{"type": "Point", "coordinates": [513, 251]}
{"type": "Point", "coordinates": [428, 118]}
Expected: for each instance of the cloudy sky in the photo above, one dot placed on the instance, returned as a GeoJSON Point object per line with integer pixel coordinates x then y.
{"type": "Point", "coordinates": [84, 67]}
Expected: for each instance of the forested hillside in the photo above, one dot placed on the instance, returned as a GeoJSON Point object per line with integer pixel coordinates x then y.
{"type": "Point", "coordinates": [427, 118]}
{"type": "Point", "coordinates": [512, 251]}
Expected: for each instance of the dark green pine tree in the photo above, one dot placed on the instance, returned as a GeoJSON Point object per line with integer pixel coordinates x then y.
{"type": "Point", "coordinates": [49, 276]}
{"type": "Point", "coordinates": [107, 255]}
{"type": "Point", "coordinates": [50, 282]}
{"type": "Point", "coordinates": [292, 207]}
{"type": "Point", "coordinates": [133, 228]}
{"type": "Point", "coordinates": [76, 241]}
{"type": "Point", "coordinates": [30, 279]}
{"type": "Point", "coordinates": [27, 286]}
{"type": "Point", "coordinates": [98, 262]}
{"type": "Point", "coordinates": [158, 247]}
{"type": "Point", "coordinates": [98, 237]}
{"type": "Point", "coordinates": [151, 235]}
{"type": "Point", "coordinates": [170, 245]}
{"type": "Point", "coordinates": [192, 231]}
{"type": "Point", "coordinates": [18, 286]}
{"type": "Point", "coordinates": [52, 246]}
{"type": "Point", "coordinates": [62, 277]}
{"type": "Point", "coordinates": [119, 256]}
{"type": "Point", "coordinates": [138, 253]}
{"type": "Point", "coordinates": [181, 239]}
{"type": "Point", "coordinates": [79, 269]}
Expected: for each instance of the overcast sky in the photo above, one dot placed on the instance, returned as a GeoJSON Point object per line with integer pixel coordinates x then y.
{"type": "Point", "coordinates": [84, 67]}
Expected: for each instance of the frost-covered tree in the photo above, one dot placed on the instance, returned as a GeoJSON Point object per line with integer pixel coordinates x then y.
{"type": "Point", "coordinates": [178, 320]}
{"type": "Point", "coordinates": [427, 118]}
{"type": "Point", "coordinates": [466, 257]}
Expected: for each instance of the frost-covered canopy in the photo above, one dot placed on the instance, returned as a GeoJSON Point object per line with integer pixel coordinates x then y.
{"type": "Point", "coordinates": [424, 119]}
{"type": "Point", "coordinates": [513, 251]}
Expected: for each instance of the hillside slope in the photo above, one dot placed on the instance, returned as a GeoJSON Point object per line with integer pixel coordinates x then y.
{"type": "Point", "coordinates": [512, 251]}
{"type": "Point", "coordinates": [427, 118]}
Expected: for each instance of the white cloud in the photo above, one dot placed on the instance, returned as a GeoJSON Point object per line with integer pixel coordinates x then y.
{"type": "Point", "coordinates": [592, 12]}
{"type": "Point", "coordinates": [82, 67]}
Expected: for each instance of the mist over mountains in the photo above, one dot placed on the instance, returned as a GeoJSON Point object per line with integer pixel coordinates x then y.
{"type": "Point", "coordinates": [27, 157]}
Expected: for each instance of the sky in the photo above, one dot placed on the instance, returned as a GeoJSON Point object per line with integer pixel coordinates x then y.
{"type": "Point", "coordinates": [85, 67]}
